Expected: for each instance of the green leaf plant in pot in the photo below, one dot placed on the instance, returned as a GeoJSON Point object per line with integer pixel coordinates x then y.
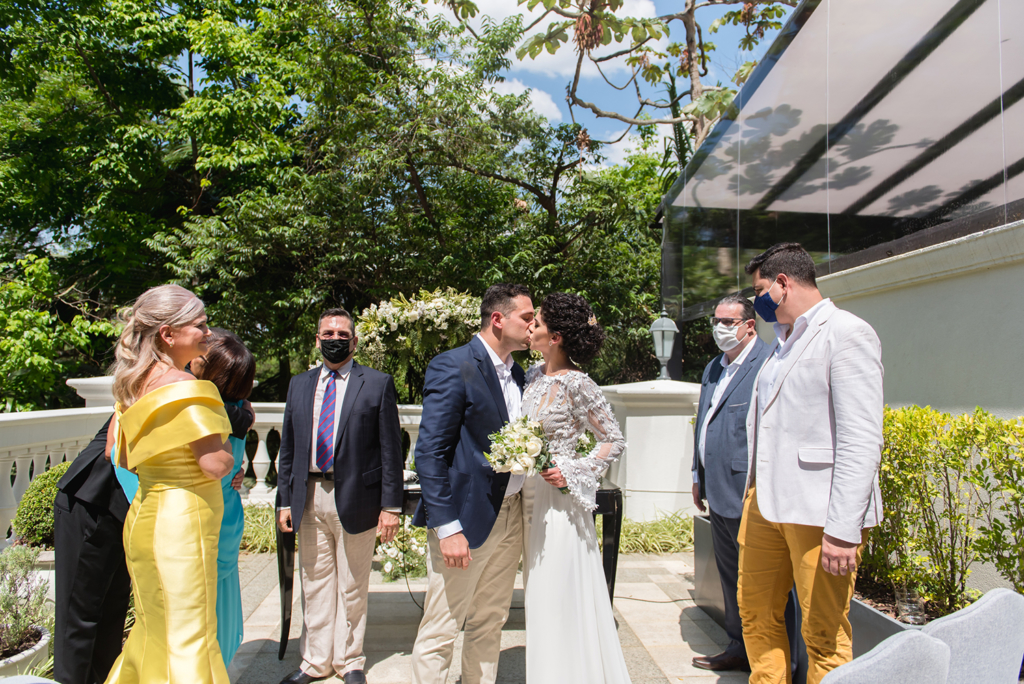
{"type": "Point", "coordinates": [24, 614]}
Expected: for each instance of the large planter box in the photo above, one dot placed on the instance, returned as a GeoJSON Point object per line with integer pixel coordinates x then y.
{"type": "Point", "coordinates": [870, 627]}
{"type": "Point", "coordinates": [23, 662]}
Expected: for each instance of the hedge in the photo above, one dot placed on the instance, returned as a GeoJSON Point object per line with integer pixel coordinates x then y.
{"type": "Point", "coordinates": [33, 522]}
{"type": "Point", "coordinates": [953, 489]}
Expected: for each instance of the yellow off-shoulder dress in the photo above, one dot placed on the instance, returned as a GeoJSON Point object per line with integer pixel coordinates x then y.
{"type": "Point", "coordinates": [170, 538]}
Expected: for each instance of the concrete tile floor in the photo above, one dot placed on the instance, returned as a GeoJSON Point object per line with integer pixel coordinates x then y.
{"type": "Point", "coordinates": [659, 626]}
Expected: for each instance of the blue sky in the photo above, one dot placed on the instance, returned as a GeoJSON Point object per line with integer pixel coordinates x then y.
{"type": "Point", "coordinates": [549, 75]}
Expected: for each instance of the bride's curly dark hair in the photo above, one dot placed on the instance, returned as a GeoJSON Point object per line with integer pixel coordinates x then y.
{"type": "Point", "coordinates": [571, 317]}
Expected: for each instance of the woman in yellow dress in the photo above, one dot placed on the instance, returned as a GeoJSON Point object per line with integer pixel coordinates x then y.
{"type": "Point", "coordinates": [172, 429]}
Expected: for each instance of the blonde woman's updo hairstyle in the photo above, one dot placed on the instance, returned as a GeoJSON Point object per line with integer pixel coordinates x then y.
{"type": "Point", "coordinates": [140, 348]}
{"type": "Point", "coordinates": [570, 316]}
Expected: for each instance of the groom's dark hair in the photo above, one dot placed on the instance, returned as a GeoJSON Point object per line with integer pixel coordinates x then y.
{"type": "Point", "coordinates": [499, 297]}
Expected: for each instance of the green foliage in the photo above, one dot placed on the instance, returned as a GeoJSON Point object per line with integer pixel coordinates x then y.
{"type": "Point", "coordinates": [1001, 534]}
{"type": "Point", "coordinates": [668, 534]}
{"type": "Point", "coordinates": [33, 522]}
{"type": "Point", "coordinates": [44, 338]}
{"type": "Point", "coordinates": [260, 533]}
{"type": "Point", "coordinates": [402, 335]}
{"type": "Point", "coordinates": [945, 506]}
{"type": "Point", "coordinates": [329, 155]}
{"type": "Point", "coordinates": [22, 601]}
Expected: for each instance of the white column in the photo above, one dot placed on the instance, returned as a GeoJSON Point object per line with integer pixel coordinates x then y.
{"type": "Point", "coordinates": [656, 419]}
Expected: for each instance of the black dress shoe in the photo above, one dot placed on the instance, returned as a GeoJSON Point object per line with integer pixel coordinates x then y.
{"type": "Point", "coordinates": [722, 661]}
{"type": "Point", "coordinates": [299, 677]}
{"type": "Point", "coordinates": [354, 677]}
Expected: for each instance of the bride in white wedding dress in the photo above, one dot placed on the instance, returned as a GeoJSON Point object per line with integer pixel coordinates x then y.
{"type": "Point", "coordinates": [570, 630]}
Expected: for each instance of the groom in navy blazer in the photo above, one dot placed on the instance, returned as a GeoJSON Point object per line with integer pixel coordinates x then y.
{"type": "Point", "coordinates": [473, 515]}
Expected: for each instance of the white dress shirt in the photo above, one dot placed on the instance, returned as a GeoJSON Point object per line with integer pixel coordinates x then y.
{"type": "Point", "coordinates": [787, 339]}
{"type": "Point", "coordinates": [514, 404]}
{"type": "Point", "coordinates": [728, 374]}
{"type": "Point", "coordinates": [340, 385]}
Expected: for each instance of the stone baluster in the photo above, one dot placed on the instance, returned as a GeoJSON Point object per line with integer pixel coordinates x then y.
{"type": "Point", "coordinates": [8, 502]}
{"type": "Point", "coordinates": [23, 461]}
{"type": "Point", "coordinates": [414, 433]}
{"type": "Point", "coordinates": [261, 466]}
{"type": "Point", "coordinates": [39, 456]}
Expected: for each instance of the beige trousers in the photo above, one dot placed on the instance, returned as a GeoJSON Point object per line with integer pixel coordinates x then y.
{"type": "Point", "coordinates": [335, 572]}
{"type": "Point", "coordinates": [477, 598]}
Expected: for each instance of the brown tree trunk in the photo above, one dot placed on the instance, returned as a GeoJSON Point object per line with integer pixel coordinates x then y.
{"type": "Point", "coordinates": [284, 375]}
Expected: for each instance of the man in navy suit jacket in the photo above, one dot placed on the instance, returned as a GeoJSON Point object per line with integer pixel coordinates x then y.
{"type": "Point", "coordinates": [474, 515]}
{"type": "Point", "coordinates": [339, 482]}
{"type": "Point", "coordinates": [720, 455]}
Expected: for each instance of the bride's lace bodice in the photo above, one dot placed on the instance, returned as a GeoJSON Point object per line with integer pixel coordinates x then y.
{"type": "Point", "coordinates": [569, 405]}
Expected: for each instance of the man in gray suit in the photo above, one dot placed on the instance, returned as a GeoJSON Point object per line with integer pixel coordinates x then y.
{"type": "Point", "coordinates": [720, 455]}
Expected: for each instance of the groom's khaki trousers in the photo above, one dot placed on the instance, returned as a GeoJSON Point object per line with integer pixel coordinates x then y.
{"type": "Point", "coordinates": [478, 597]}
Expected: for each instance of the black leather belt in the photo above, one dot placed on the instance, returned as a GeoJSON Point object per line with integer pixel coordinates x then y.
{"type": "Point", "coordinates": [322, 476]}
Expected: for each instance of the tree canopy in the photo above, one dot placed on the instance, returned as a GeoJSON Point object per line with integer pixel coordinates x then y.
{"type": "Point", "coordinates": [280, 157]}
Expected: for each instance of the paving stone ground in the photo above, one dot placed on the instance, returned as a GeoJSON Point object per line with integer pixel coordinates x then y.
{"type": "Point", "coordinates": [659, 626]}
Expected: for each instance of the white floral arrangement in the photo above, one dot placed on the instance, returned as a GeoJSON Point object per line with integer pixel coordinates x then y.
{"type": "Point", "coordinates": [519, 448]}
{"type": "Point", "coordinates": [405, 555]}
{"type": "Point", "coordinates": [417, 326]}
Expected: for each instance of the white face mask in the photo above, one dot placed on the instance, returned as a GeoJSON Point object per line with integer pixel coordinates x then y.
{"type": "Point", "coordinates": [725, 336]}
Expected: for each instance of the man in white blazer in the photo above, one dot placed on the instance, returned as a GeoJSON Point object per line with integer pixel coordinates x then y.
{"type": "Point", "coordinates": [812, 482]}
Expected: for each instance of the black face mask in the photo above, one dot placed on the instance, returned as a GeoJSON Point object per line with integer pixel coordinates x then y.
{"type": "Point", "coordinates": [336, 350]}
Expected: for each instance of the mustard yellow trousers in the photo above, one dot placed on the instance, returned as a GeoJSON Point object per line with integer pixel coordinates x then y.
{"type": "Point", "coordinates": [774, 556]}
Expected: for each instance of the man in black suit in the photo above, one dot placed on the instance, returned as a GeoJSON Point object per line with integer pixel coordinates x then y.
{"type": "Point", "coordinates": [91, 584]}
{"type": "Point", "coordinates": [339, 483]}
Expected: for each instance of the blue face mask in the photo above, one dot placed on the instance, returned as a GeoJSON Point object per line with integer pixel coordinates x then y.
{"type": "Point", "coordinates": [765, 306]}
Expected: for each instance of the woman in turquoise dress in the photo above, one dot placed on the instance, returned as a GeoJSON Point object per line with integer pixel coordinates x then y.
{"type": "Point", "coordinates": [231, 367]}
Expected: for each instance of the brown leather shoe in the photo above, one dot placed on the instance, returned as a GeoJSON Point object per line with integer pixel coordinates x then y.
{"type": "Point", "coordinates": [722, 661]}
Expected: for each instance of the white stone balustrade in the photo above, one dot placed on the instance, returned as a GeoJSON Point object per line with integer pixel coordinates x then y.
{"type": "Point", "coordinates": [654, 473]}
{"type": "Point", "coordinates": [29, 440]}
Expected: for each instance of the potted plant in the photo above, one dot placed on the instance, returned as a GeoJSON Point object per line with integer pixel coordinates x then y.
{"type": "Point", "coordinates": [24, 613]}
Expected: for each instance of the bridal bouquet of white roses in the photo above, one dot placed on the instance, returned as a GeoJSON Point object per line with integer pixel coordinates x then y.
{"type": "Point", "coordinates": [519, 448]}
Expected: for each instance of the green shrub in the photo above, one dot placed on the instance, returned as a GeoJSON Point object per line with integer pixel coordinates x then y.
{"type": "Point", "coordinates": [1001, 536]}
{"type": "Point", "coordinates": [34, 519]}
{"type": "Point", "coordinates": [951, 490]}
{"type": "Point", "coordinates": [260, 534]}
{"type": "Point", "coordinates": [22, 601]}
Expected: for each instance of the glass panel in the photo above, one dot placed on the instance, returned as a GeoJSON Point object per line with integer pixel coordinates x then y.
{"type": "Point", "coordinates": [871, 128]}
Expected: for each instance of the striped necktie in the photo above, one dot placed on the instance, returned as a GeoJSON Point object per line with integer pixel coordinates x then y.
{"type": "Point", "coordinates": [325, 428]}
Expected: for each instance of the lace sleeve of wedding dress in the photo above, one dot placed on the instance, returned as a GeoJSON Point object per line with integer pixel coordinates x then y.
{"type": "Point", "coordinates": [592, 412]}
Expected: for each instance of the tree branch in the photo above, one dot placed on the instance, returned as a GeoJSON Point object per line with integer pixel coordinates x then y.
{"type": "Point", "coordinates": [625, 119]}
{"type": "Point", "coordinates": [620, 53]}
{"type": "Point", "coordinates": [421, 195]}
{"type": "Point", "coordinates": [96, 80]}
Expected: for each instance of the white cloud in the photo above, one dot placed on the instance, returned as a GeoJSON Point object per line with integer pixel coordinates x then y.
{"type": "Point", "coordinates": [541, 101]}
